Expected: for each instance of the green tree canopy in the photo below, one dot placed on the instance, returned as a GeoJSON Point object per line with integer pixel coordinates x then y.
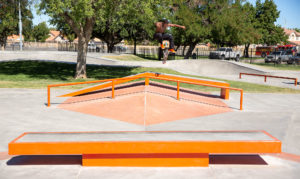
{"type": "Point", "coordinates": [266, 16]}
{"type": "Point", "coordinates": [81, 16]}
{"type": "Point", "coordinates": [40, 32]}
{"type": "Point", "coordinates": [129, 19]}
{"type": "Point", "coordinates": [9, 18]}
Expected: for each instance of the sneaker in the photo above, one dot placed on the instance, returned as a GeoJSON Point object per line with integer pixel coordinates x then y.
{"type": "Point", "coordinates": [172, 50]}
{"type": "Point", "coordinates": [162, 46]}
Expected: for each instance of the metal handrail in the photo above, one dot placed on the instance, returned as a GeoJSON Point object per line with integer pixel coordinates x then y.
{"type": "Point", "coordinates": [113, 81]}
{"type": "Point", "coordinates": [271, 76]}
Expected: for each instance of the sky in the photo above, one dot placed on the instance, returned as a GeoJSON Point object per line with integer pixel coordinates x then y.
{"type": "Point", "coordinates": [289, 14]}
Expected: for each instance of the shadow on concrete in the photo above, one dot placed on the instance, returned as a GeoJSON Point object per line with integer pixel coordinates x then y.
{"type": "Point", "coordinates": [236, 160]}
{"type": "Point", "coordinates": [45, 160]}
{"type": "Point", "coordinates": [76, 160]}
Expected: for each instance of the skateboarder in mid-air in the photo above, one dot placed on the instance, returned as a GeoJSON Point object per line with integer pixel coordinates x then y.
{"type": "Point", "coordinates": [160, 35]}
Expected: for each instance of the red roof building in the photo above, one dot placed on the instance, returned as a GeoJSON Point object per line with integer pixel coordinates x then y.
{"type": "Point", "coordinates": [294, 36]}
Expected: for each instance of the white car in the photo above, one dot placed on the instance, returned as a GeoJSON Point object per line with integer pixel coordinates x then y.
{"type": "Point", "coordinates": [93, 47]}
{"type": "Point", "coordinates": [225, 53]}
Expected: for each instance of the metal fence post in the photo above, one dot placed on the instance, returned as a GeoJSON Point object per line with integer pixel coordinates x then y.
{"type": "Point", "coordinates": [251, 56]}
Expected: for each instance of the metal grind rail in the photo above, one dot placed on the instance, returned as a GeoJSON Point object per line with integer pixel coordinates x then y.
{"type": "Point", "coordinates": [113, 81]}
{"type": "Point", "coordinates": [270, 76]}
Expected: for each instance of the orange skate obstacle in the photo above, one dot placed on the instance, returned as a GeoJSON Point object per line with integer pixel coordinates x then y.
{"type": "Point", "coordinates": [144, 148]}
{"type": "Point", "coordinates": [224, 93]}
{"type": "Point", "coordinates": [270, 76]}
{"type": "Point", "coordinates": [150, 149]}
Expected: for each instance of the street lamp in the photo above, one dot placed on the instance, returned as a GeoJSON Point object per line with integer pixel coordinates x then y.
{"type": "Point", "coordinates": [20, 26]}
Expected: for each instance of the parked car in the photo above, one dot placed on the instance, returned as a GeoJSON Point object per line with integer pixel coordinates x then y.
{"type": "Point", "coordinates": [93, 47]}
{"type": "Point", "coordinates": [273, 57]}
{"type": "Point", "coordinates": [225, 53]}
{"type": "Point", "coordinates": [284, 57]}
{"type": "Point", "coordinates": [294, 59]}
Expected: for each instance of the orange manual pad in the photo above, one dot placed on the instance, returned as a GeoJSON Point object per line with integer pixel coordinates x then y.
{"type": "Point", "coordinates": [145, 148]}
{"type": "Point", "coordinates": [146, 160]}
{"type": "Point", "coordinates": [146, 105]}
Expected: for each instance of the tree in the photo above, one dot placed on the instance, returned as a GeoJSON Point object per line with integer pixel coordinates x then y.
{"type": "Point", "coordinates": [143, 15]}
{"type": "Point", "coordinates": [193, 15]}
{"type": "Point", "coordinates": [64, 28]}
{"type": "Point", "coordinates": [110, 28]}
{"type": "Point", "coordinates": [9, 18]}
{"type": "Point", "coordinates": [129, 19]}
{"type": "Point", "coordinates": [266, 15]}
{"type": "Point", "coordinates": [81, 16]}
{"type": "Point", "coordinates": [251, 34]}
{"type": "Point", "coordinates": [67, 31]}
{"type": "Point", "coordinates": [40, 32]}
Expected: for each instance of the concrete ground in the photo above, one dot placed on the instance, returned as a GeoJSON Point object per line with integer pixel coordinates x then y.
{"type": "Point", "coordinates": [24, 110]}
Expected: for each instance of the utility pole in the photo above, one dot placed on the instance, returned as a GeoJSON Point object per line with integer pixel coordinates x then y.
{"type": "Point", "coordinates": [20, 26]}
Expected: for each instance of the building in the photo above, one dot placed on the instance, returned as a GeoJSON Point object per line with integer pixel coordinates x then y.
{"type": "Point", "coordinates": [55, 36]}
{"type": "Point", "coordinates": [294, 36]}
{"type": "Point", "coordinates": [14, 38]}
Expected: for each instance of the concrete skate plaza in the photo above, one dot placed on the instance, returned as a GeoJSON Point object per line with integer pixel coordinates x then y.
{"type": "Point", "coordinates": [24, 110]}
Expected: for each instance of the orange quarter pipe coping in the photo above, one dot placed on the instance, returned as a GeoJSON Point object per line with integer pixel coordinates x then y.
{"type": "Point", "coordinates": [145, 148]}
{"type": "Point", "coordinates": [112, 82]}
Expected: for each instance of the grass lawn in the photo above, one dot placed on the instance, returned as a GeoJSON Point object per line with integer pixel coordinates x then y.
{"type": "Point", "coordinates": [273, 66]}
{"type": "Point", "coordinates": [35, 74]}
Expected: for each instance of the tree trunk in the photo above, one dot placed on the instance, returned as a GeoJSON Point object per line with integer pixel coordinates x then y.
{"type": "Point", "coordinates": [189, 52]}
{"type": "Point", "coordinates": [134, 49]}
{"type": "Point", "coordinates": [110, 47]}
{"type": "Point", "coordinates": [81, 58]}
{"type": "Point", "coordinates": [246, 54]}
{"type": "Point", "coordinates": [183, 50]}
{"type": "Point", "coordinates": [3, 43]}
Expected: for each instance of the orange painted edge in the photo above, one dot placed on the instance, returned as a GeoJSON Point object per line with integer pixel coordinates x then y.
{"type": "Point", "coordinates": [270, 136]}
{"type": "Point", "coordinates": [147, 162]}
{"type": "Point", "coordinates": [22, 135]}
{"type": "Point", "coordinates": [145, 155]}
{"type": "Point", "coordinates": [34, 148]}
{"type": "Point", "coordinates": [232, 131]}
{"type": "Point", "coordinates": [63, 148]}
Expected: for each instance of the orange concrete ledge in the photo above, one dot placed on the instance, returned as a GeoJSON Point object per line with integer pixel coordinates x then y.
{"type": "Point", "coordinates": [140, 148]}
{"type": "Point", "coordinates": [146, 160]}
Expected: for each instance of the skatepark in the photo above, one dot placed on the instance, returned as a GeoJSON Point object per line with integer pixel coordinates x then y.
{"type": "Point", "coordinates": [25, 110]}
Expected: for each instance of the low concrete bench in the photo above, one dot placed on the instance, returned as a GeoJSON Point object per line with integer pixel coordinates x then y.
{"type": "Point", "coordinates": [157, 148]}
